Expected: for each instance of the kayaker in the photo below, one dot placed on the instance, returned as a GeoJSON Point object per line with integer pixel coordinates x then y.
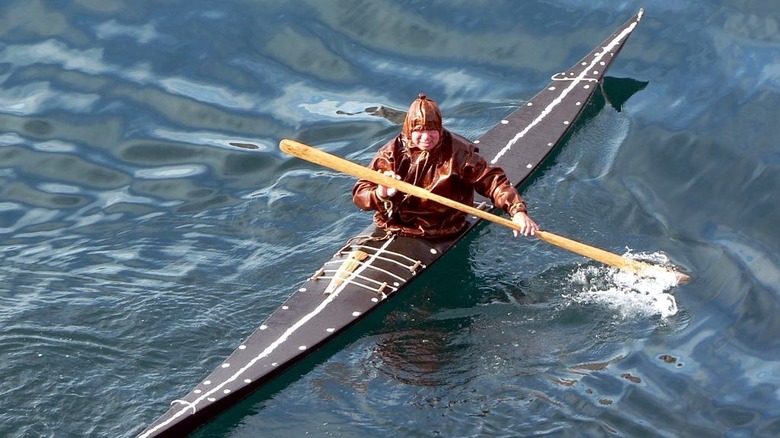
{"type": "Point", "coordinates": [429, 156]}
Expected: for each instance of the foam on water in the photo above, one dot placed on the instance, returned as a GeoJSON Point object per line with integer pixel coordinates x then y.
{"type": "Point", "coordinates": [628, 294]}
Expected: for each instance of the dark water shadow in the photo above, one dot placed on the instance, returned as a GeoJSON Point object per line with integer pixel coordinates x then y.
{"type": "Point", "coordinates": [615, 92]}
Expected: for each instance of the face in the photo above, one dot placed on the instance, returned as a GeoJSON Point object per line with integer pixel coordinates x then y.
{"type": "Point", "coordinates": [425, 139]}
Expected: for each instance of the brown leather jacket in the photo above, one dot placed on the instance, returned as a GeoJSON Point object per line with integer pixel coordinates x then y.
{"type": "Point", "coordinates": [453, 169]}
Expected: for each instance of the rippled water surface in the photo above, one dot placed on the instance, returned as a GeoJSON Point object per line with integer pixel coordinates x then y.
{"type": "Point", "coordinates": [139, 247]}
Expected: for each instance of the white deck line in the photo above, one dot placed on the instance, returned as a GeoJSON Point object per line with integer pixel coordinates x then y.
{"type": "Point", "coordinates": [575, 82]}
{"type": "Point", "coordinates": [398, 254]}
{"type": "Point", "coordinates": [389, 260]}
{"type": "Point", "coordinates": [282, 339]}
{"type": "Point", "coordinates": [351, 280]}
{"type": "Point", "coordinates": [362, 277]}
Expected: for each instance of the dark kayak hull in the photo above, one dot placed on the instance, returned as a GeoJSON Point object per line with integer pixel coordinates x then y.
{"type": "Point", "coordinates": [373, 266]}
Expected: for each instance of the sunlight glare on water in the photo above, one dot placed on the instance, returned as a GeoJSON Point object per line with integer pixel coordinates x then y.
{"type": "Point", "coordinates": [627, 293]}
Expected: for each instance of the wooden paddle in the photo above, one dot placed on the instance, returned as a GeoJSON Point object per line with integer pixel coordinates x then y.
{"type": "Point", "coordinates": [325, 159]}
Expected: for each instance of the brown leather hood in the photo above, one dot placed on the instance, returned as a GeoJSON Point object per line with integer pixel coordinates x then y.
{"type": "Point", "coordinates": [423, 114]}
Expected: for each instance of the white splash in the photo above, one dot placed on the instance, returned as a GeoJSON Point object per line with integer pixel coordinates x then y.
{"type": "Point", "coordinates": [624, 292]}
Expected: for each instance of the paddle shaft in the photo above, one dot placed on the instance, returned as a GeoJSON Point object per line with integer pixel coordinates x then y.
{"type": "Point", "coordinates": [325, 159]}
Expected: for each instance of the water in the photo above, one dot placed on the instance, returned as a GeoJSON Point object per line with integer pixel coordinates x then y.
{"type": "Point", "coordinates": [139, 247]}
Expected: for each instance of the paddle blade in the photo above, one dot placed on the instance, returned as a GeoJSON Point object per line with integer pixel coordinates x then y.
{"type": "Point", "coordinates": [636, 267]}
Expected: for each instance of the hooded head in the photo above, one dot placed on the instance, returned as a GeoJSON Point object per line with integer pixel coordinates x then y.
{"type": "Point", "coordinates": [423, 114]}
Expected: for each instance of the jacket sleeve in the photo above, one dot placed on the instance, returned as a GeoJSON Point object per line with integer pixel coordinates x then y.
{"type": "Point", "coordinates": [364, 193]}
{"type": "Point", "coordinates": [493, 183]}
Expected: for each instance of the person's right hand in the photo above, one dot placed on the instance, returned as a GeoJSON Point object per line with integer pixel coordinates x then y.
{"type": "Point", "coordinates": [387, 192]}
{"type": "Point", "coordinates": [527, 225]}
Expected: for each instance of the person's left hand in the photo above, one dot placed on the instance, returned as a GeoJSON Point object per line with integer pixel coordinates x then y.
{"type": "Point", "coordinates": [527, 225]}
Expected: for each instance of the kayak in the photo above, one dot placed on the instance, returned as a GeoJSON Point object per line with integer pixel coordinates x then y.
{"type": "Point", "coordinates": [374, 265]}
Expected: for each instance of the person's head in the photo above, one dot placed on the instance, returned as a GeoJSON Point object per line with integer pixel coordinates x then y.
{"type": "Point", "coordinates": [423, 123]}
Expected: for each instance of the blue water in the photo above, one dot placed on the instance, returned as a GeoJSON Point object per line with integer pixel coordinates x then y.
{"type": "Point", "coordinates": [139, 247]}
